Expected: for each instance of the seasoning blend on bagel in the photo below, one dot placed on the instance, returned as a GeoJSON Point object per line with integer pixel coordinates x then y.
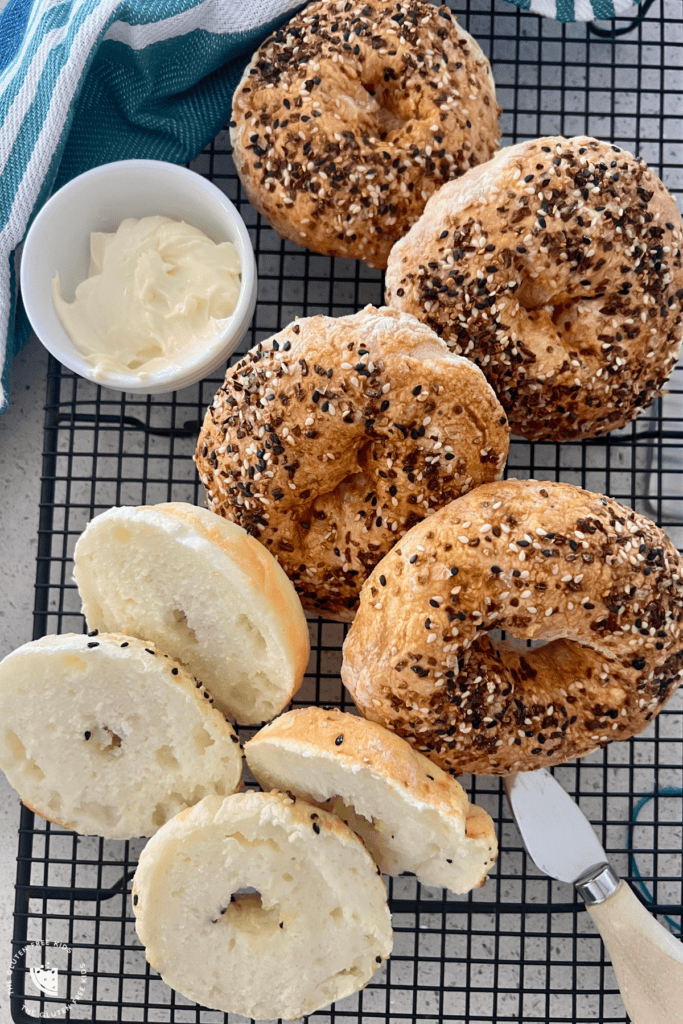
{"type": "Point", "coordinates": [544, 561]}
{"type": "Point", "coordinates": [349, 117]}
{"type": "Point", "coordinates": [331, 439]}
{"type": "Point", "coordinates": [557, 268]}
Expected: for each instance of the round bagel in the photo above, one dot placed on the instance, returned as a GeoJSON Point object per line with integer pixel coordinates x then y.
{"type": "Point", "coordinates": [202, 590]}
{"type": "Point", "coordinates": [329, 440]}
{"type": "Point", "coordinates": [105, 735]}
{"type": "Point", "coordinates": [353, 114]}
{"type": "Point", "coordinates": [314, 927]}
{"type": "Point", "coordinates": [557, 268]}
{"type": "Point", "coordinates": [410, 814]}
{"type": "Point", "coordinates": [601, 584]}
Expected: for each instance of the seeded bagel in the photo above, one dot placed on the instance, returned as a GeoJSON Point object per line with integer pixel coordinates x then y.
{"type": "Point", "coordinates": [349, 117]}
{"type": "Point", "coordinates": [107, 736]}
{"type": "Point", "coordinates": [314, 927]}
{"type": "Point", "coordinates": [329, 440]}
{"type": "Point", "coordinates": [601, 584]}
{"type": "Point", "coordinates": [410, 814]}
{"type": "Point", "coordinates": [557, 268]}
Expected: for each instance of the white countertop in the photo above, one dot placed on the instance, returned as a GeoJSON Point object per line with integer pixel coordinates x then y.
{"type": "Point", "coordinates": [21, 446]}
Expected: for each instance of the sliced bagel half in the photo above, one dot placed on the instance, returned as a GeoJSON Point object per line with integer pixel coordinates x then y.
{"type": "Point", "coordinates": [411, 815]}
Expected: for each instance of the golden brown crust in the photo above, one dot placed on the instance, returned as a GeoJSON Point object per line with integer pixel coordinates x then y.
{"type": "Point", "coordinates": [365, 744]}
{"type": "Point", "coordinates": [601, 583]}
{"type": "Point", "coordinates": [560, 273]}
{"type": "Point", "coordinates": [353, 114]}
{"type": "Point", "coordinates": [373, 425]}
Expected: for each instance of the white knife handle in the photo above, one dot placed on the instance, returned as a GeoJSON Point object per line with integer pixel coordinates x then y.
{"type": "Point", "coordinates": [647, 959]}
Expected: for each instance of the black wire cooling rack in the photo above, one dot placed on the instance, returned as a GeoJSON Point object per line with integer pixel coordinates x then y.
{"type": "Point", "coordinates": [521, 949]}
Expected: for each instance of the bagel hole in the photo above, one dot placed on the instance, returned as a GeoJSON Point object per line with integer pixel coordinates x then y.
{"type": "Point", "coordinates": [383, 109]}
{"type": "Point", "coordinates": [181, 629]}
{"type": "Point", "coordinates": [103, 740]}
{"type": "Point", "coordinates": [245, 912]}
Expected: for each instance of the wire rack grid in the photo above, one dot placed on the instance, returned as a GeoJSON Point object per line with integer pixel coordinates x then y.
{"type": "Point", "coordinates": [521, 949]}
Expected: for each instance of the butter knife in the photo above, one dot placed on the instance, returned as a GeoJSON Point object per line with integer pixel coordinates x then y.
{"type": "Point", "coordinates": [647, 959]}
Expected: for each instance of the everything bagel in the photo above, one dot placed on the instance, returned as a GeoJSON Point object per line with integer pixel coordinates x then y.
{"type": "Point", "coordinates": [331, 439]}
{"type": "Point", "coordinates": [557, 268]}
{"type": "Point", "coordinates": [349, 117]}
{"type": "Point", "coordinates": [544, 561]}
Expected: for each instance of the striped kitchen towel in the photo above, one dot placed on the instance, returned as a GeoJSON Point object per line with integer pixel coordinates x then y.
{"type": "Point", "coordinates": [84, 82]}
{"type": "Point", "coordinates": [580, 10]}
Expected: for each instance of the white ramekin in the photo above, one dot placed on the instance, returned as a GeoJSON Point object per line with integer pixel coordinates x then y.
{"type": "Point", "coordinates": [58, 242]}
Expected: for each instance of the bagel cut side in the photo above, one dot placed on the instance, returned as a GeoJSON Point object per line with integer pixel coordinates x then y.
{"type": "Point", "coordinates": [557, 268]}
{"type": "Point", "coordinates": [261, 905]}
{"type": "Point", "coordinates": [331, 439]}
{"type": "Point", "coordinates": [349, 117]}
{"type": "Point", "coordinates": [598, 582]}
{"type": "Point", "coordinates": [411, 815]}
{"type": "Point", "coordinates": [106, 735]}
{"type": "Point", "coordinates": [205, 592]}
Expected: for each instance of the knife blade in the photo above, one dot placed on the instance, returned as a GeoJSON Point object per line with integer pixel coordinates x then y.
{"type": "Point", "coordinates": [557, 834]}
{"type": "Point", "coordinates": [647, 959]}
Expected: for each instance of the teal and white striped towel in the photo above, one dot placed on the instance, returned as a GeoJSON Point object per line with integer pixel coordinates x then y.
{"type": "Point", "coordinates": [580, 10]}
{"type": "Point", "coordinates": [84, 82]}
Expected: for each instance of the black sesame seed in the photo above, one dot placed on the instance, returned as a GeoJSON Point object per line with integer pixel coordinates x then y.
{"type": "Point", "coordinates": [174, 671]}
{"type": "Point", "coordinates": [93, 632]}
{"type": "Point", "coordinates": [383, 581]}
{"type": "Point", "coordinates": [93, 644]}
{"type": "Point", "coordinates": [87, 734]}
{"type": "Point", "coordinates": [496, 569]}
{"type": "Point", "coordinates": [316, 828]}
{"type": "Point", "coordinates": [454, 570]}
{"type": "Point", "coordinates": [125, 645]}
{"type": "Point", "coordinates": [339, 740]}
{"type": "Point", "coordinates": [135, 901]}
{"type": "Point", "coordinates": [149, 650]}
